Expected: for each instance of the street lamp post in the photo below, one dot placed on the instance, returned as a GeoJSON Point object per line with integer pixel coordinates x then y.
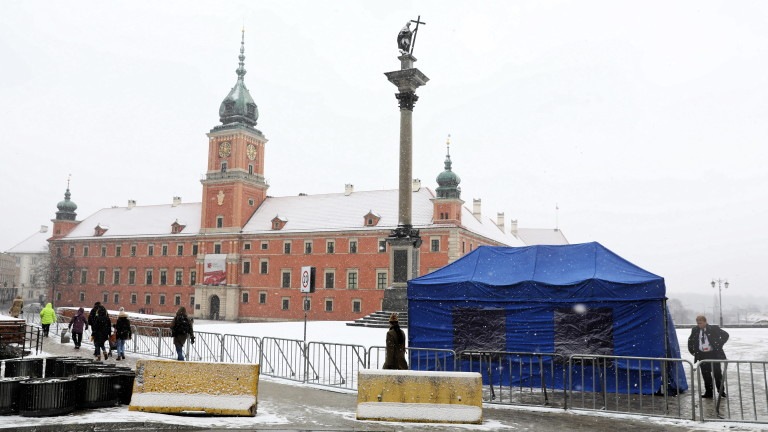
{"type": "Point", "coordinates": [720, 283]}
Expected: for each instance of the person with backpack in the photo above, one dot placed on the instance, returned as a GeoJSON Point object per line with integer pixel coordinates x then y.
{"type": "Point", "coordinates": [123, 333]}
{"type": "Point", "coordinates": [181, 327]}
{"type": "Point", "coordinates": [77, 324]}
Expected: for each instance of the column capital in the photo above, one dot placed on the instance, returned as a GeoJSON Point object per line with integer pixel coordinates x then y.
{"type": "Point", "coordinates": [407, 100]}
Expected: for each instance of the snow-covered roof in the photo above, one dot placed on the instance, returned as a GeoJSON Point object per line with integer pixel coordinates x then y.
{"type": "Point", "coordinates": [343, 212]}
{"type": "Point", "coordinates": [302, 214]}
{"type": "Point", "coordinates": [541, 236]}
{"type": "Point", "coordinates": [36, 243]}
{"type": "Point", "coordinates": [140, 221]}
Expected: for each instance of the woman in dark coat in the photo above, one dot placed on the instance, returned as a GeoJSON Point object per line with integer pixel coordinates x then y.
{"type": "Point", "coordinates": [77, 324]}
{"type": "Point", "coordinates": [395, 346]}
{"type": "Point", "coordinates": [181, 327]}
{"type": "Point", "coordinates": [100, 329]}
{"type": "Point", "coordinates": [123, 332]}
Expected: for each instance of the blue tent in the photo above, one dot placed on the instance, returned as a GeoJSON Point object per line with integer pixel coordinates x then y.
{"type": "Point", "coordinates": [571, 299]}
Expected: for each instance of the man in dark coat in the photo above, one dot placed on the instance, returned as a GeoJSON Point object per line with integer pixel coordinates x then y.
{"type": "Point", "coordinates": [706, 343]}
{"type": "Point", "coordinates": [395, 346]}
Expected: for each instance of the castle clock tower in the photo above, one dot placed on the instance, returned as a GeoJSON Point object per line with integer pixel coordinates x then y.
{"type": "Point", "coordinates": [234, 184]}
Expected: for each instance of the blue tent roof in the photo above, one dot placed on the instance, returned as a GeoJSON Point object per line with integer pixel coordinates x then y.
{"type": "Point", "coordinates": [578, 272]}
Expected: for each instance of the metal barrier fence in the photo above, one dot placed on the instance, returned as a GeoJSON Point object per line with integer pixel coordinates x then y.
{"type": "Point", "coordinates": [435, 359]}
{"type": "Point", "coordinates": [283, 358]}
{"type": "Point", "coordinates": [518, 378]}
{"type": "Point", "coordinates": [334, 365]}
{"type": "Point", "coordinates": [745, 384]}
{"type": "Point", "coordinates": [631, 385]}
{"type": "Point", "coordinates": [240, 349]}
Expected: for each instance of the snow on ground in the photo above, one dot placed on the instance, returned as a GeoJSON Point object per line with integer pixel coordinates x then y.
{"type": "Point", "coordinates": [317, 331]}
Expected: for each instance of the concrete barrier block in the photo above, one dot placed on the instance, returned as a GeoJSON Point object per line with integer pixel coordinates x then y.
{"type": "Point", "coordinates": [163, 386]}
{"type": "Point", "coordinates": [420, 396]}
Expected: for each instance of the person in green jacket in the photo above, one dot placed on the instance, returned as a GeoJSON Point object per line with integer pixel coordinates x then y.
{"type": "Point", "coordinates": [47, 317]}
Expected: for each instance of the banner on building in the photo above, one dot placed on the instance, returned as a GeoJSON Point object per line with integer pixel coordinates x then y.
{"type": "Point", "coordinates": [215, 269]}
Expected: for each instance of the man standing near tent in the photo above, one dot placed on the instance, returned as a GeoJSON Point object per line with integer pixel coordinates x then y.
{"type": "Point", "coordinates": [706, 343]}
{"type": "Point", "coordinates": [395, 346]}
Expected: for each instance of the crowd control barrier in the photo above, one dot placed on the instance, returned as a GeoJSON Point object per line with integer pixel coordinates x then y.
{"type": "Point", "coordinates": [193, 387]}
{"type": "Point", "coordinates": [420, 396]}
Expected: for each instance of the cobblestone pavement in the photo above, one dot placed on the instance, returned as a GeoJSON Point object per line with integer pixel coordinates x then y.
{"type": "Point", "coordinates": [310, 409]}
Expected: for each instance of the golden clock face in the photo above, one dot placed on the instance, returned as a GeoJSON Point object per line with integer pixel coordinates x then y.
{"type": "Point", "coordinates": [250, 151]}
{"type": "Point", "coordinates": [225, 149]}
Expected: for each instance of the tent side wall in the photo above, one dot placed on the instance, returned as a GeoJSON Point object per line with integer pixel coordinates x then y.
{"type": "Point", "coordinates": [617, 328]}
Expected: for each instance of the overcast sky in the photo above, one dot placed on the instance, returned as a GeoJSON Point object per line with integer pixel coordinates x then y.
{"type": "Point", "coordinates": [645, 122]}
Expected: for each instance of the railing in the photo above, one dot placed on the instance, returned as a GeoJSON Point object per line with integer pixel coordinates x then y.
{"type": "Point", "coordinates": [334, 365]}
{"type": "Point", "coordinates": [240, 349]}
{"type": "Point", "coordinates": [745, 384]}
{"type": "Point", "coordinates": [518, 378]}
{"type": "Point", "coordinates": [631, 385]}
{"type": "Point", "coordinates": [284, 358]}
{"type": "Point", "coordinates": [433, 359]}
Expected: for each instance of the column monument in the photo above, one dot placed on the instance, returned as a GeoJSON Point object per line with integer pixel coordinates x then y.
{"type": "Point", "coordinates": [404, 241]}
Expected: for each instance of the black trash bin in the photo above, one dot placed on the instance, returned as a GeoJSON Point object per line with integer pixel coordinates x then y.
{"type": "Point", "coordinates": [125, 386]}
{"type": "Point", "coordinates": [9, 394]}
{"type": "Point", "coordinates": [50, 364]}
{"type": "Point", "coordinates": [66, 367]}
{"type": "Point", "coordinates": [29, 367]}
{"type": "Point", "coordinates": [97, 390]}
{"type": "Point", "coordinates": [42, 397]}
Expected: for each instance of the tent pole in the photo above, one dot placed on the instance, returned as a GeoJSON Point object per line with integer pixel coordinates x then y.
{"type": "Point", "coordinates": [665, 382]}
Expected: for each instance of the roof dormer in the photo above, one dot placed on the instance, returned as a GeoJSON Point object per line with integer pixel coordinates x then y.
{"type": "Point", "coordinates": [100, 230]}
{"type": "Point", "coordinates": [371, 219]}
{"type": "Point", "coordinates": [278, 222]}
{"type": "Point", "coordinates": [177, 227]}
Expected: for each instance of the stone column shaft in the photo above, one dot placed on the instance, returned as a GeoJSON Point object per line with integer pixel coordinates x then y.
{"type": "Point", "coordinates": [406, 167]}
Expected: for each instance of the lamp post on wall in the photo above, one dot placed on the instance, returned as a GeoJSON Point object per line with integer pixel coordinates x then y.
{"type": "Point", "coordinates": [720, 283]}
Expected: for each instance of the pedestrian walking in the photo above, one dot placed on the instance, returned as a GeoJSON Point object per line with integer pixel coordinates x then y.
{"type": "Point", "coordinates": [92, 314]}
{"type": "Point", "coordinates": [122, 332]}
{"type": "Point", "coordinates": [706, 342]}
{"type": "Point", "coordinates": [77, 324]}
{"type": "Point", "coordinates": [395, 346]}
{"type": "Point", "coordinates": [100, 329]}
{"type": "Point", "coordinates": [47, 317]}
{"type": "Point", "coordinates": [16, 306]}
{"type": "Point", "coordinates": [181, 327]}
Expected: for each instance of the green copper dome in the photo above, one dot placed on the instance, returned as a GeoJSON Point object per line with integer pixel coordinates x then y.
{"type": "Point", "coordinates": [238, 106]}
{"type": "Point", "coordinates": [66, 208]}
{"type": "Point", "coordinates": [448, 181]}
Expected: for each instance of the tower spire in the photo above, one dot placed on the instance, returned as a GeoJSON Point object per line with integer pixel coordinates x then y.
{"type": "Point", "coordinates": [241, 69]}
{"type": "Point", "coordinates": [238, 106]}
{"type": "Point", "coordinates": [448, 153]}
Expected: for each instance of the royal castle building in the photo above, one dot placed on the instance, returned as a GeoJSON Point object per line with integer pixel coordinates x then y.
{"type": "Point", "coordinates": [238, 253]}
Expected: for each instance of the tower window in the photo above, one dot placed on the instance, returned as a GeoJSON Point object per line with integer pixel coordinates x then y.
{"type": "Point", "coordinates": [223, 167]}
{"type": "Point", "coordinates": [250, 169]}
{"type": "Point", "coordinates": [219, 221]}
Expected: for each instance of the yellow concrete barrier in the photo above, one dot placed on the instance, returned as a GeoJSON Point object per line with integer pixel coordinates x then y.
{"type": "Point", "coordinates": [214, 388]}
{"type": "Point", "coordinates": [420, 396]}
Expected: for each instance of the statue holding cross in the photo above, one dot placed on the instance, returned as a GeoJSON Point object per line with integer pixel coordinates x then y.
{"type": "Point", "coordinates": [406, 39]}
